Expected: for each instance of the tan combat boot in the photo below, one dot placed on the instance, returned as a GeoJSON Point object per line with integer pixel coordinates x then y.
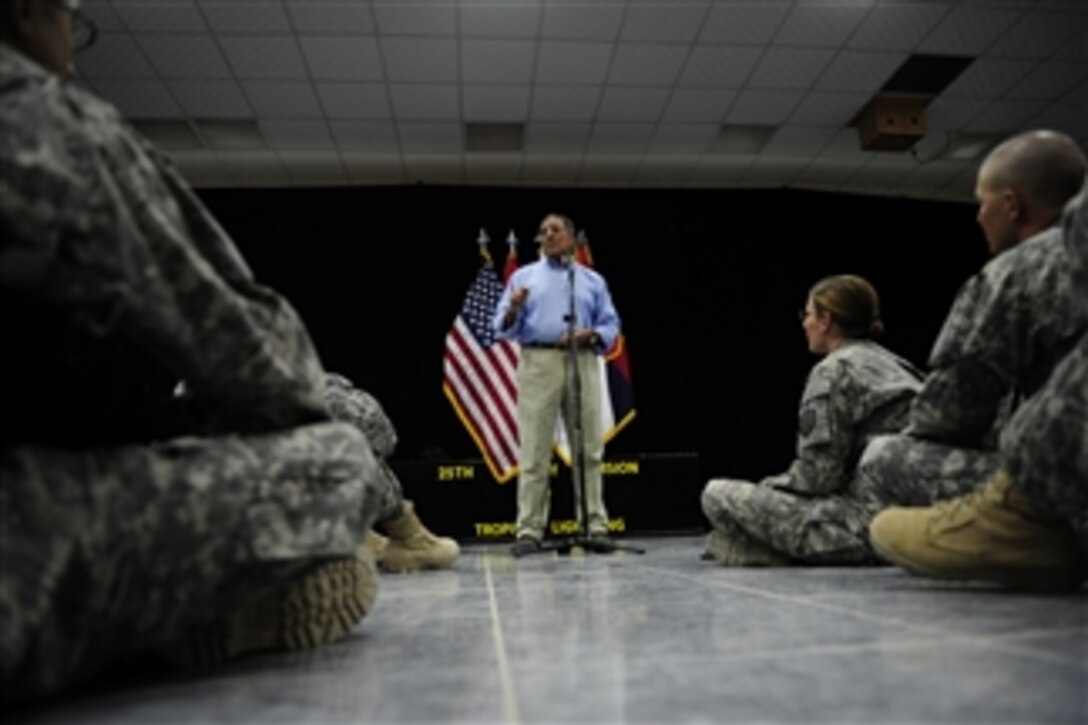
{"type": "Point", "coordinates": [412, 547]}
{"type": "Point", "coordinates": [993, 534]}
{"type": "Point", "coordinates": [318, 608]}
{"type": "Point", "coordinates": [376, 543]}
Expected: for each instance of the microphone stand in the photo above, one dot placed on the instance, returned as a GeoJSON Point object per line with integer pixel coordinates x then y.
{"type": "Point", "coordinates": [583, 539]}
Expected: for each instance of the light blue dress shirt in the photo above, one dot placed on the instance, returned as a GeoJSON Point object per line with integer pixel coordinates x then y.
{"type": "Point", "coordinates": [543, 318]}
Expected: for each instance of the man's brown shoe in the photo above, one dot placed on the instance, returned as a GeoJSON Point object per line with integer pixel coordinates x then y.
{"type": "Point", "coordinates": [991, 534]}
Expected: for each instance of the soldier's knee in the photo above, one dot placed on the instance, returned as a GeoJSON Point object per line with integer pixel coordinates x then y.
{"type": "Point", "coordinates": [713, 494]}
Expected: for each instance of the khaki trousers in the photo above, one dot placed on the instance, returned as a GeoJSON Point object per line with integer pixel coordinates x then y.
{"type": "Point", "coordinates": [543, 393]}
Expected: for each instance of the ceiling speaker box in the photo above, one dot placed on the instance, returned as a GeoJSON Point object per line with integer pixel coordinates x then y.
{"type": "Point", "coordinates": [892, 123]}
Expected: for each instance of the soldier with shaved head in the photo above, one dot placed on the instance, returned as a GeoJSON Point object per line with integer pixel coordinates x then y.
{"type": "Point", "coordinates": [1008, 327]}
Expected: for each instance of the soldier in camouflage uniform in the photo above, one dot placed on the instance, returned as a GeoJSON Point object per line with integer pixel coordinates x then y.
{"type": "Point", "coordinates": [1008, 327]}
{"type": "Point", "coordinates": [811, 514]}
{"type": "Point", "coordinates": [407, 545]}
{"type": "Point", "coordinates": [210, 523]}
{"type": "Point", "coordinates": [1019, 528]}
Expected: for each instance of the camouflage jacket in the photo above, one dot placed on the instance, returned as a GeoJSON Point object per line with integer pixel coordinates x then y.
{"type": "Point", "coordinates": [1008, 327]}
{"type": "Point", "coordinates": [116, 283]}
{"type": "Point", "coordinates": [858, 391]}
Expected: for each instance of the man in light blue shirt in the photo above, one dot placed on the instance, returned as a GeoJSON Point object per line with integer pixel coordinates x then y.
{"type": "Point", "coordinates": [534, 311]}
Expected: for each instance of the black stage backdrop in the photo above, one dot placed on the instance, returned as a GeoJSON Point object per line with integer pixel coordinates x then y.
{"type": "Point", "coordinates": [707, 283]}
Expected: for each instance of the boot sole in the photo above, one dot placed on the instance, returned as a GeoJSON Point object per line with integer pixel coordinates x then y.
{"type": "Point", "coordinates": [1042, 582]}
{"type": "Point", "coordinates": [323, 607]}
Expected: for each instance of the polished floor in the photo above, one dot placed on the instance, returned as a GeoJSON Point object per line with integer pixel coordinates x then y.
{"type": "Point", "coordinates": [659, 637]}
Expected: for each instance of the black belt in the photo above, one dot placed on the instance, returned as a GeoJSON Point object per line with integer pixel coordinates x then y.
{"type": "Point", "coordinates": [556, 346]}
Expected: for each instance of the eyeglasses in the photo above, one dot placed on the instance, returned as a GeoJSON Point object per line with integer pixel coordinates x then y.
{"type": "Point", "coordinates": [84, 30]}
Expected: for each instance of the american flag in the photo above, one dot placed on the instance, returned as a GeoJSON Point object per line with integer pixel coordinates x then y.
{"type": "Point", "coordinates": [479, 373]}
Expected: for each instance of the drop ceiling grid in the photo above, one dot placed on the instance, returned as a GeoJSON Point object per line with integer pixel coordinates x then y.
{"type": "Point", "coordinates": [317, 77]}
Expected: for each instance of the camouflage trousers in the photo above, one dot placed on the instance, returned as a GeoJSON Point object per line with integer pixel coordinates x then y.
{"type": "Point", "coordinates": [110, 551]}
{"type": "Point", "coordinates": [1045, 445]}
{"type": "Point", "coordinates": [829, 529]}
{"type": "Point", "coordinates": [901, 470]}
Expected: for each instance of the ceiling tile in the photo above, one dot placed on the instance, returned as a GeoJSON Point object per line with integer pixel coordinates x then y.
{"type": "Point", "coordinates": [234, 135]}
{"type": "Point", "coordinates": [420, 59]}
{"type": "Point", "coordinates": [495, 103]}
{"type": "Point", "coordinates": [497, 61]}
{"type": "Point", "coordinates": [492, 167]}
{"type": "Point", "coordinates": [273, 99]}
{"type": "Point", "coordinates": [160, 16]}
{"type": "Point", "coordinates": [435, 168]}
{"type": "Point", "coordinates": [429, 138]}
{"type": "Point", "coordinates": [828, 173]}
{"type": "Point", "coordinates": [103, 16]}
{"type": "Point", "coordinates": [720, 170]}
{"type": "Point", "coordinates": [789, 68]}
{"type": "Point", "coordinates": [1037, 34]}
{"type": "Point", "coordinates": [632, 104]}
{"type": "Point", "coordinates": [202, 169]}
{"type": "Point", "coordinates": [988, 77]}
{"type": "Point", "coordinates": [607, 170]}
{"type": "Point", "coordinates": [1062, 117]}
{"type": "Point", "coordinates": [426, 103]}
{"type": "Point", "coordinates": [372, 168]}
{"type": "Point", "coordinates": [115, 55]}
{"type": "Point", "coordinates": [931, 176]}
{"type": "Point", "coordinates": [951, 113]}
{"type": "Point", "coordinates": [719, 67]}
{"type": "Point", "coordinates": [572, 63]}
{"type": "Point", "coordinates": [664, 20]}
{"type": "Point", "coordinates": [647, 65]}
{"type": "Point", "coordinates": [294, 135]}
{"type": "Point", "coordinates": [185, 56]}
{"type": "Point", "coordinates": [608, 138]}
{"type": "Point", "coordinates": [405, 18]}
{"type": "Point", "coordinates": [858, 70]}
{"type": "Point", "coordinates": [666, 170]}
{"type": "Point", "coordinates": [825, 108]}
{"type": "Point", "coordinates": [551, 168]}
{"type": "Point", "coordinates": [511, 19]}
{"type": "Point", "coordinates": [763, 107]}
{"type": "Point", "coordinates": [1050, 79]}
{"type": "Point", "coordinates": [263, 57]}
{"type": "Point", "coordinates": [569, 138]}
{"type": "Point", "coordinates": [772, 172]}
{"type": "Point", "coordinates": [968, 30]}
{"type": "Point", "coordinates": [211, 98]}
{"type": "Point", "coordinates": [743, 23]}
{"type": "Point", "coordinates": [336, 18]}
{"type": "Point", "coordinates": [822, 25]}
{"type": "Point", "coordinates": [1006, 117]}
{"type": "Point", "coordinates": [692, 105]}
{"type": "Point", "coordinates": [249, 166]}
{"type": "Point", "coordinates": [354, 100]}
{"type": "Point", "coordinates": [140, 99]}
{"type": "Point", "coordinates": [684, 137]}
{"type": "Point", "coordinates": [313, 168]}
{"type": "Point", "coordinates": [342, 58]}
{"type": "Point", "coordinates": [364, 136]}
{"type": "Point", "coordinates": [897, 26]}
{"type": "Point", "coordinates": [582, 20]}
{"type": "Point", "coordinates": [799, 141]}
{"type": "Point", "coordinates": [560, 103]}
{"type": "Point", "coordinates": [845, 145]}
{"type": "Point", "coordinates": [232, 16]}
